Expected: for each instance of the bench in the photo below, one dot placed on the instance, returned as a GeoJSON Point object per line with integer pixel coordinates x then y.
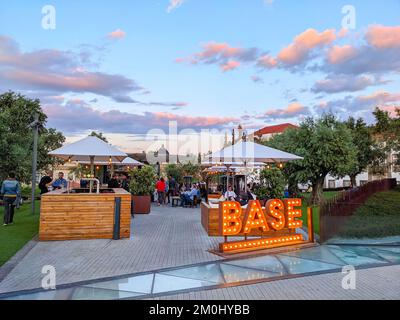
{"type": "Point", "coordinates": [175, 201]}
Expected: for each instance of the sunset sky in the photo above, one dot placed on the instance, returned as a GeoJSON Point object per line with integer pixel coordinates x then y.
{"type": "Point", "coordinates": [127, 67]}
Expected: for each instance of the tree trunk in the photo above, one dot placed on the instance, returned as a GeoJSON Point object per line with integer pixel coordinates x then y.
{"type": "Point", "coordinates": [353, 181]}
{"type": "Point", "coordinates": [317, 188]}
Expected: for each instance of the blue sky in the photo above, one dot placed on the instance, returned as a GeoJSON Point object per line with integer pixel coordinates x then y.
{"type": "Point", "coordinates": [162, 65]}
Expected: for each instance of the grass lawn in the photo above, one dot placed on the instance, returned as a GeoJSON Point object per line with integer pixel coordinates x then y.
{"type": "Point", "coordinates": [378, 217]}
{"type": "Point", "coordinates": [14, 237]}
{"type": "Point", "coordinates": [306, 196]}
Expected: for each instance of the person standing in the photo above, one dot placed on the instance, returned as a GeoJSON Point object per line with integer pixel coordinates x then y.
{"type": "Point", "coordinates": [45, 182]}
{"type": "Point", "coordinates": [160, 187]}
{"type": "Point", "coordinates": [60, 183]}
{"type": "Point", "coordinates": [113, 182]}
{"type": "Point", "coordinates": [172, 188]}
{"type": "Point", "coordinates": [11, 191]}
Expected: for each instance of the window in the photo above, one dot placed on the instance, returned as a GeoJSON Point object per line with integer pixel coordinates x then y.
{"type": "Point", "coordinates": [331, 184]}
{"type": "Point", "coordinates": [363, 182]}
{"type": "Point", "coordinates": [346, 183]}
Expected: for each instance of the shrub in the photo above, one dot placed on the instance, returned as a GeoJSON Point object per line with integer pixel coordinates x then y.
{"type": "Point", "coordinates": [143, 181]}
{"type": "Point", "coordinates": [272, 184]}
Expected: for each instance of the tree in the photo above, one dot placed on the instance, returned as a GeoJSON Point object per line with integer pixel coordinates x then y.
{"type": "Point", "coordinates": [272, 184]}
{"type": "Point", "coordinates": [327, 147]}
{"type": "Point", "coordinates": [175, 171]}
{"type": "Point", "coordinates": [16, 138]}
{"type": "Point", "coordinates": [98, 135]}
{"type": "Point", "coordinates": [192, 170]}
{"type": "Point", "coordinates": [368, 152]}
{"type": "Point", "coordinates": [387, 130]}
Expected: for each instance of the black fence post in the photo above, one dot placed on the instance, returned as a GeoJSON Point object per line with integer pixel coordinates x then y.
{"type": "Point", "coordinates": [117, 219]}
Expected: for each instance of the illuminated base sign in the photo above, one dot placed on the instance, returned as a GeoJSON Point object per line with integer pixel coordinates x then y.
{"type": "Point", "coordinates": [277, 216]}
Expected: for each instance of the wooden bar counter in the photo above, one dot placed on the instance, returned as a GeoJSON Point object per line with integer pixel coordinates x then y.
{"type": "Point", "coordinates": [79, 216]}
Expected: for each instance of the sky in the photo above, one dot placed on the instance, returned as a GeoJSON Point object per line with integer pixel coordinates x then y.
{"type": "Point", "coordinates": [133, 69]}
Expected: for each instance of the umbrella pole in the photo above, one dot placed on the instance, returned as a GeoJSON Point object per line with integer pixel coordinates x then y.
{"type": "Point", "coordinates": [91, 173]}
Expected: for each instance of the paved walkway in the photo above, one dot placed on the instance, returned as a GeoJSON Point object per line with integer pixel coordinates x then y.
{"type": "Point", "coordinates": [376, 283]}
{"type": "Point", "coordinates": [167, 237]}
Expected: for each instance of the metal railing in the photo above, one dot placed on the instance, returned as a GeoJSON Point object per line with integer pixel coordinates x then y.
{"type": "Point", "coordinates": [334, 213]}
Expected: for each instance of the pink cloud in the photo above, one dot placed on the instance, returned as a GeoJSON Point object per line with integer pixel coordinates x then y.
{"type": "Point", "coordinates": [78, 116]}
{"type": "Point", "coordinates": [230, 65]}
{"type": "Point", "coordinates": [267, 61]}
{"type": "Point", "coordinates": [339, 54]}
{"type": "Point", "coordinates": [223, 54]}
{"type": "Point", "coordinates": [117, 34]}
{"type": "Point", "coordinates": [299, 50]}
{"type": "Point", "coordinates": [383, 37]}
{"type": "Point", "coordinates": [294, 109]}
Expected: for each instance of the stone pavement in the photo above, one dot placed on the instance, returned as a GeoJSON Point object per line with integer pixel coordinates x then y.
{"type": "Point", "coordinates": [375, 284]}
{"type": "Point", "coordinates": [167, 237]}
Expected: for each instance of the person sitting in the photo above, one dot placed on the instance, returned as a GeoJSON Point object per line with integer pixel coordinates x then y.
{"type": "Point", "coordinates": [60, 183]}
{"type": "Point", "coordinates": [187, 197]}
{"type": "Point", "coordinates": [230, 195]}
{"type": "Point", "coordinates": [113, 183]}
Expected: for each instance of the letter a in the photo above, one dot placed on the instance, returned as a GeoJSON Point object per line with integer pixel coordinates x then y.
{"type": "Point", "coordinates": [255, 217]}
{"type": "Point", "coordinates": [49, 18]}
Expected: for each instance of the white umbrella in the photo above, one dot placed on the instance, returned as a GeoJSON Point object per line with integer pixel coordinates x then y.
{"type": "Point", "coordinates": [90, 149]}
{"type": "Point", "coordinates": [246, 151]}
{"type": "Point", "coordinates": [126, 162]}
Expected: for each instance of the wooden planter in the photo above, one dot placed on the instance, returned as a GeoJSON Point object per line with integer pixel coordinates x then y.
{"type": "Point", "coordinates": [141, 204]}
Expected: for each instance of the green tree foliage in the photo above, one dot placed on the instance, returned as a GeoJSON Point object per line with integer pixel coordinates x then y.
{"type": "Point", "coordinates": [178, 171]}
{"type": "Point", "coordinates": [143, 181]}
{"type": "Point", "coordinates": [387, 130]}
{"type": "Point", "coordinates": [16, 137]}
{"type": "Point", "coordinates": [272, 184]}
{"type": "Point", "coordinates": [327, 147]}
{"type": "Point", "coordinates": [368, 152]}
{"type": "Point", "coordinates": [98, 135]}
{"type": "Point", "coordinates": [193, 170]}
{"type": "Point", "coordinates": [175, 171]}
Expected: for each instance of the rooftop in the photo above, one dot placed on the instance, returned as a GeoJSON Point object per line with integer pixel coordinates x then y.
{"type": "Point", "coordinates": [274, 129]}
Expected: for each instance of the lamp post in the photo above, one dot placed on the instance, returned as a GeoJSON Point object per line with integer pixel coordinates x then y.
{"type": "Point", "coordinates": [35, 126]}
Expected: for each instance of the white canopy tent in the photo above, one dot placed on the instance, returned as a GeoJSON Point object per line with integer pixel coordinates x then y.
{"type": "Point", "coordinates": [89, 149]}
{"type": "Point", "coordinates": [126, 162]}
{"type": "Point", "coordinates": [248, 152]}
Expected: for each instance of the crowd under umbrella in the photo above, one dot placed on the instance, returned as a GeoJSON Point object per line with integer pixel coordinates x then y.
{"type": "Point", "coordinates": [248, 153]}
{"type": "Point", "coordinates": [91, 150]}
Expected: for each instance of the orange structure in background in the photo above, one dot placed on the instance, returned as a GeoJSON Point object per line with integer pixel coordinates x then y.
{"type": "Point", "coordinates": [276, 216]}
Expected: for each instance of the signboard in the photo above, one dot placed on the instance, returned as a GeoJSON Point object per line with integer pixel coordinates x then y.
{"type": "Point", "coordinates": [277, 215]}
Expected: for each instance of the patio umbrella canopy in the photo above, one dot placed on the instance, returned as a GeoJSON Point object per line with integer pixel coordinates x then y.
{"type": "Point", "coordinates": [90, 149]}
{"type": "Point", "coordinates": [247, 152]}
{"type": "Point", "coordinates": [126, 162]}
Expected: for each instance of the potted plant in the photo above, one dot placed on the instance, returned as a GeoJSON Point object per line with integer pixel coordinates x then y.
{"type": "Point", "coordinates": [142, 186]}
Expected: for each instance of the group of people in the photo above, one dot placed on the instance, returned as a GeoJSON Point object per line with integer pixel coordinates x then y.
{"type": "Point", "coordinates": [119, 181]}
{"type": "Point", "coordinates": [47, 183]}
{"type": "Point", "coordinates": [166, 189]}
{"type": "Point", "coordinates": [243, 198]}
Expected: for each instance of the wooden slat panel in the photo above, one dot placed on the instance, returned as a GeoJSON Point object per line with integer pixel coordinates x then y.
{"type": "Point", "coordinates": [71, 217]}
